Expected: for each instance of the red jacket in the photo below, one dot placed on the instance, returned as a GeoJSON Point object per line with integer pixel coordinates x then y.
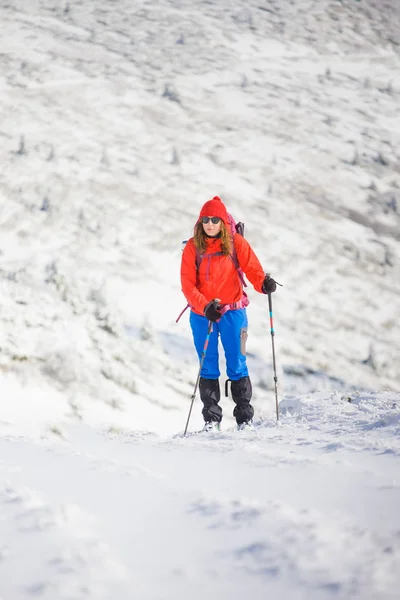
{"type": "Point", "coordinates": [217, 276]}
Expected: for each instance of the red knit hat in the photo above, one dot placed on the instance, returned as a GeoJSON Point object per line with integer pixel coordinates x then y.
{"type": "Point", "coordinates": [215, 208]}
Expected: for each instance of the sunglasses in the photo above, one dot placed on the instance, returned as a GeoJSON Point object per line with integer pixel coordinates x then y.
{"type": "Point", "coordinates": [214, 220]}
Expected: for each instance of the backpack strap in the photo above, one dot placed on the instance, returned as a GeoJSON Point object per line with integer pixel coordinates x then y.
{"type": "Point", "coordinates": [236, 262]}
{"type": "Point", "coordinates": [238, 228]}
{"type": "Point", "coordinates": [233, 257]}
{"type": "Point", "coordinates": [186, 307]}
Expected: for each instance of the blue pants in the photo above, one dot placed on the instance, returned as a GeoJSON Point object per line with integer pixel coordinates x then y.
{"type": "Point", "coordinates": [232, 329]}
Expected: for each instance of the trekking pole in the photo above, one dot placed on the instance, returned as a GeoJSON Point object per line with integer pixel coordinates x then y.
{"type": "Point", "coordinates": [271, 321]}
{"type": "Point", "coordinates": [203, 355]}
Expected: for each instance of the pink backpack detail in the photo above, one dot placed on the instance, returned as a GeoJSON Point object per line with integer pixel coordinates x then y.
{"type": "Point", "coordinates": [236, 228]}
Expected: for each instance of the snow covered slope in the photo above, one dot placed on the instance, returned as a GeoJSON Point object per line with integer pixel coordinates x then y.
{"type": "Point", "coordinates": [306, 510]}
{"type": "Point", "coordinates": [119, 120]}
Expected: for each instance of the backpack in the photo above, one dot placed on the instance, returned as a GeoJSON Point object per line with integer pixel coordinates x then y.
{"type": "Point", "coordinates": [235, 228]}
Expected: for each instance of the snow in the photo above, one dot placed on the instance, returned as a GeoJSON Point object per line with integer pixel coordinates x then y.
{"type": "Point", "coordinates": [307, 508]}
{"type": "Point", "coordinates": [119, 121]}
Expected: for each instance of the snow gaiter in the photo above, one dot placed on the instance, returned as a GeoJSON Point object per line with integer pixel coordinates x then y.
{"type": "Point", "coordinates": [210, 396]}
{"type": "Point", "coordinates": [241, 391]}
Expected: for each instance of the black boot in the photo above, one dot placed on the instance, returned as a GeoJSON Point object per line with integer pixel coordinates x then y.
{"type": "Point", "coordinates": [241, 391]}
{"type": "Point", "coordinates": [210, 396]}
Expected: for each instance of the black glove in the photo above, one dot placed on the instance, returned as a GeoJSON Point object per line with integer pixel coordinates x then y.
{"type": "Point", "coordinates": [269, 285]}
{"type": "Point", "coordinates": [211, 311]}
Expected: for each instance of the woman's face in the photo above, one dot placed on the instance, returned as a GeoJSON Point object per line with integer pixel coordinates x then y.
{"type": "Point", "coordinates": [210, 228]}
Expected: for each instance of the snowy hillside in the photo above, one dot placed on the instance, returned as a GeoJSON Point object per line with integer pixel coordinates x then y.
{"type": "Point", "coordinates": [119, 120]}
{"type": "Point", "coordinates": [122, 119]}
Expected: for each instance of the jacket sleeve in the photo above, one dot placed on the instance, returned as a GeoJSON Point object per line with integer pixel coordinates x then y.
{"type": "Point", "coordinates": [249, 262]}
{"type": "Point", "coordinates": [189, 278]}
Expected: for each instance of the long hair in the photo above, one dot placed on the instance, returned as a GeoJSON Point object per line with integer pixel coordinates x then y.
{"type": "Point", "coordinates": [200, 239]}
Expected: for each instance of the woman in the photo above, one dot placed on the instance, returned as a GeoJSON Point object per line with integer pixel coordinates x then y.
{"type": "Point", "coordinates": [213, 288]}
